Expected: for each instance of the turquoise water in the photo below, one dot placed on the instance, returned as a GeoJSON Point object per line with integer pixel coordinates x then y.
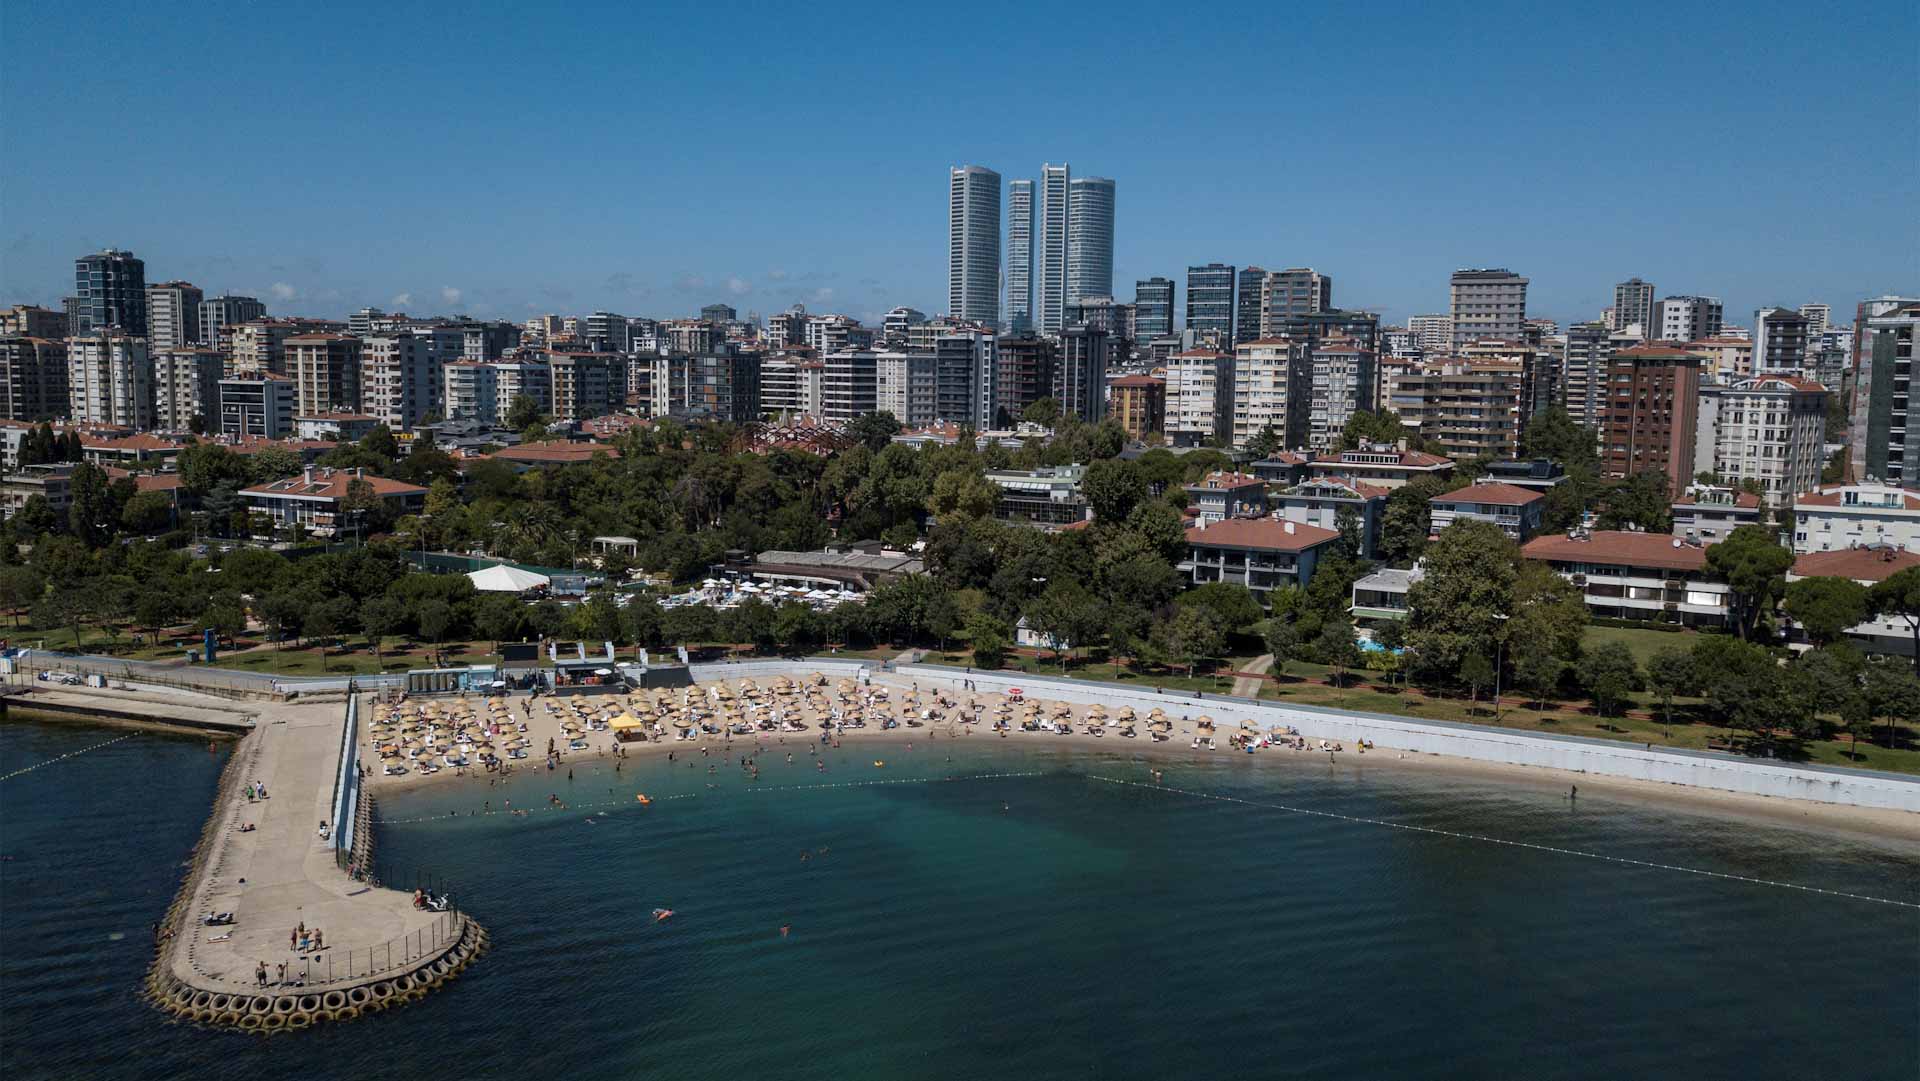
{"type": "Point", "coordinates": [1035, 926]}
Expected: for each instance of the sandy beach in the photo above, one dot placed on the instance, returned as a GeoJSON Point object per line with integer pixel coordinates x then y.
{"type": "Point", "coordinates": [939, 713]}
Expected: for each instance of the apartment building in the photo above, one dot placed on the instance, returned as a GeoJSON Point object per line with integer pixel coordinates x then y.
{"type": "Point", "coordinates": [110, 381]}
{"type": "Point", "coordinates": [186, 384]}
{"type": "Point", "coordinates": [1516, 511]}
{"type": "Point", "coordinates": [400, 381]}
{"type": "Point", "coordinates": [1322, 502]}
{"type": "Point", "coordinates": [1138, 403]}
{"type": "Point", "coordinates": [1652, 413]}
{"type": "Point", "coordinates": [1468, 409]}
{"type": "Point", "coordinates": [1262, 554]}
{"type": "Point", "coordinates": [1272, 387]}
{"type": "Point", "coordinates": [256, 405]}
{"type": "Point", "coordinates": [1648, 577]}
{"type": "Point", "coordinates": [1771, 430]}
{"type": "Point", "coordinates": [1345, 378]}
{"type": "Point", "coordinates": [1835, 516]}
{"type": "Point", "coordinates": [33, 378]}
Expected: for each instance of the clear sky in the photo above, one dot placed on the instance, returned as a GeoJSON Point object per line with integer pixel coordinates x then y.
{"type": "Point", "coordinates": [502, 160]}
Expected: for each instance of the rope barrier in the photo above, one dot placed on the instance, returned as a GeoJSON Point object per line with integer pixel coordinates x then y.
{"type": "Point", "coordinates": [1556, 850]}
{"type": "Point", "coordinates": [756, 789]}
{"type": "Point", "coordinates": [64, 757]}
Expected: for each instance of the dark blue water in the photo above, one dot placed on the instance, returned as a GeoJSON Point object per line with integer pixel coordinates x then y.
{"type": "Point", "coordinates": [1013, 927]}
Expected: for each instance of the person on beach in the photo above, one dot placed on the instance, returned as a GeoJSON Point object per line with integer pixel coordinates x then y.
{"type": "Point", "coordinates": [260, 974]}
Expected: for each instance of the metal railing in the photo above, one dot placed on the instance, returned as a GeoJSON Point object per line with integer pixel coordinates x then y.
{"type": "Point", "coordinates": [346, 781]}
{"type": "Point", "coordinates": [359, 963]}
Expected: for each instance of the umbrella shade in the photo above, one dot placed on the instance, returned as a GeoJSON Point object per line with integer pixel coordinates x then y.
{"type": "Point", "coordinates": [683, 723]}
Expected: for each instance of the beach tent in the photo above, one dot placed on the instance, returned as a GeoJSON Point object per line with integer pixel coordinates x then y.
{"type": "Point", "coordinates": [505, 579]}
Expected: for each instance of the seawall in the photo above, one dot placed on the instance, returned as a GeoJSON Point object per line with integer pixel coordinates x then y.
{"type": "Point", "coordinates": [1818, 784]}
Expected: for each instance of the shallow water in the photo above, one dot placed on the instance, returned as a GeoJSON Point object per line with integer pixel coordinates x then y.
{"type": "Point", "coordinates": [1035, 924]}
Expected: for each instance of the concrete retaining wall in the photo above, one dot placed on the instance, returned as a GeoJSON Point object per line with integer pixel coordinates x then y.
{"type": "Point", "coordinates": [1819, 784]}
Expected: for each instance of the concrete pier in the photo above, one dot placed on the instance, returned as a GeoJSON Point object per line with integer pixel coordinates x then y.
{"type": "Point", "coordinates": [378, 949]}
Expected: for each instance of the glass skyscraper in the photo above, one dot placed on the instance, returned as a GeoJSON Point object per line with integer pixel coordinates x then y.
{"type": "Point", "coordinates": [1020, 256]}
{"type": "Point", "coordinates": [1089, 238]}
{"type": "Point", "coordinates": [973, 244]}
{"type": "Point", "coordinates": [1050, 292]}
{"type": "Point", "coordinates": [1210, 299]}
{"type": "Point", "coordinates": [109, 292]}
{"type": "Point", "coordinates": [1152, 309]}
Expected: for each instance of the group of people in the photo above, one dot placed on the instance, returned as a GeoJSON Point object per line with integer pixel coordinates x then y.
{"type": "Point", "coordinates": [256, 790]}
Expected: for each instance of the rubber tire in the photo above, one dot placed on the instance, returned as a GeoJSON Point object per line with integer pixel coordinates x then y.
{"type": "Point", "coordinates": [274, 1022]}
{"type": "Point", "coordinates": [250, 1022]}
{"type": "Point", "coordinates": [300, 1020]}
{"type": "Point", "coordinates": [260, 1005]}
{"type": "Point", "coordinates": [309, 1003]}
{"type": "Point", "coordinates": [284, 1005]}
{"type": "Point", "coordinates": [363, 996]}
{"type": "Point", "coordinates": [333, 1000]}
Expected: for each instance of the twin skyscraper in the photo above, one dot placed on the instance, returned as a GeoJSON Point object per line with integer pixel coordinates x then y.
{"type": "Point", "coordinates": [1059, 247]}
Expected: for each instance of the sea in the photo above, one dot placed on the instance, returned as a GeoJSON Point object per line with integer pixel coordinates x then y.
{"type": "Point", "coordinates": [985, 909]}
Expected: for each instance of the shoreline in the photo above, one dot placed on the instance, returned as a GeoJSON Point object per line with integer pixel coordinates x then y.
{"type": "Point", "coordinates": [1866, 822]}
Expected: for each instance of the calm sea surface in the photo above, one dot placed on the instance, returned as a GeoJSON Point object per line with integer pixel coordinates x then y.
{"type": "Point", "coordinates": [1035, 926]}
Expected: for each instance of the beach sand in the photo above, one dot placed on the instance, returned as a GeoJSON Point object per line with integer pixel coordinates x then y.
{"type": "Point", "coordinates": [542, 725]}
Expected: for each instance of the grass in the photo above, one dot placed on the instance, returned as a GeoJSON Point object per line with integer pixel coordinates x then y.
{"type": "Point", "coordinates": [1643, 643]}
{"type": "Point", "coordinates": [1218, 681]}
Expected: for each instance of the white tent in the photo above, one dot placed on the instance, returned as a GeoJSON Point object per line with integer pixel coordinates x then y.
{"type": "Point", "coordinates": [505, 579]}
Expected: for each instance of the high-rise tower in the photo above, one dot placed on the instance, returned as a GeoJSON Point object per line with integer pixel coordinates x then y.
{"type": "Point", "coordinates": [1089, 238]}
{"type": "Point", "coordinates": [1050, 261]}
{"type": "Point", "coordinates": [109, 293]}
{"type": "Point", "coordinates": [1020, 256]}
{"type": "Point", "coordinates": [973, 244]}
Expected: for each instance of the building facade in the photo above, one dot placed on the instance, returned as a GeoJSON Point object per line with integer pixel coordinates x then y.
{"type": "Point", "coordinates": [109, 294]}
{"type": "Point", "coordinates": [1210, 300]}
{"type": "Point", "coordinates": [1138, 403]}
{"type": "Point", "coordinates": [256, 405]}
{"type": "Point", "coordinates": [1653, 400]}
{"type": "Point", "coordinates": [1633, 306]}
{"type": "Point", "coordinates": [1272, 385]}
{"type": "Point", "coordinates": [186, 384]}
{"type": "Point", "coordinates": [1020, 256]}
{"type": "Point", "coordinates": [1487, 304]}
{"type": "Point", "coordinates": [110, 381]}
{"type": "Point", "coordinates": [33, 378]}
{"type": "Point", "coordinates": [173, 315]}
{"type": "Point", "coordinates": [1467, 409]}
{"type": "Point", "coordinates": [1090, 201]}
{"type": "Point", "coordinates": [973, 252]}
{"type": "Point", "coordinates": [1771, 430]}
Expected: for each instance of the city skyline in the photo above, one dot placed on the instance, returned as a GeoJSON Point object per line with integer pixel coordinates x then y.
{"type": "Point", "coordinates": [827, 215]}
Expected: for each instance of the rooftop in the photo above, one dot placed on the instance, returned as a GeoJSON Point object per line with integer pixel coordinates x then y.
{"type": "Point", "coordinates": [1859, 564]}
{"type": "Point", "coordinates": [1267, 534]}
{"type": "Point", "coordinates": [1503, 495]}
{"type": "Point", "coordinates": [1618, 548]}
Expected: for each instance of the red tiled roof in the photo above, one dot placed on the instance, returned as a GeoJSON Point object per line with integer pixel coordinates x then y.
{"type": "Point", "coordinates": [1358, 487]}
{"type": "Point", "coordinates": [555, 451]}
{"type": "Point", "coordinates": [1503, 495]}
{"type": "Point", "coordinates": [1618, 548]}
{"type": "Point", "coordinates": [158, 482]}
{"type": "Point", "coordinates": [1269, 534]}
{"type": "Point", "coordinates": [1137, 381]}
{"type": "Point", "coordinates": [1408, 458]}
{"type": "Point", "coordinates": [1219, 481]}
{"type": "Point", "coordinates": [332, 484]}
{"type": "Point", "coordinates": [129, 442]}
{"type": "Point", "coordinates": [1859, 564]}
{"type": "Point", "coordinates": [1821, 497]}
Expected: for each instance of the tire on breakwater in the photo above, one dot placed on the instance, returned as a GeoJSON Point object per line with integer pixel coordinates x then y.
{"type": "Point", "coordinates": [221, 1002]}
{"type": "Point", "coordinates": [285, 1005]}
{"type": "Point", "coordinates": [333, 1000]}
{"type": "Point", "coordinates": [274, 1022]}
{"type": "Point", "coordinates": [260, 1005]}
{"type": "Point", "coordinates": [308, 1004]}
{"type": "Point", "coordinates": [358, 996]}
{"type": "Point", "coordinates": [300, 1019]}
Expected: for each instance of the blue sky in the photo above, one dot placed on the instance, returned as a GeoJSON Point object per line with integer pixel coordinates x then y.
{"type": "Point", "coordinates": [503, 160]}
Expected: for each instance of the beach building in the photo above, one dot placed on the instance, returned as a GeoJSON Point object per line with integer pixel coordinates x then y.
{"type": "Point", "coordinates": [1837, 516]}
{"type": "Point", "coordinates": [1383, 594]}
{"type": "Point", "coordinates": [321, 499]}
{"type": "Point", "coordinates": [1517, 511]}
{"type": "Point", "coordinates": [1649, 577]}
{"type": "Point", "coordinates": [1048, 496]}
{"type": "Point", "coordinates": [1385, 465]}
{"type": "Point", "coordinates": [1707, 513]}
{"type": "Point", "coordinates": [1227, 495]}
{"type": "Point", "coordinates": [1263, 554]}
{"type": "Point", "coordinates": [1320, 502]}
{"type": "Point", "coordinates": [1887, 633]}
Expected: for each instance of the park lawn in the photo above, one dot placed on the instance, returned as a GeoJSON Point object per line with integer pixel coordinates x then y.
{"type": "Point", "coordinates": [1642, 642]}
{"type": "Point", "coordinates": [1684, 735]}
{"type": "Point", "coordinates": [1218, 681]}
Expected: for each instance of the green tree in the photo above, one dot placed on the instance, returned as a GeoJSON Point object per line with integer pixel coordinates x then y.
{"type": "Point", "coordinates": [88, 514]}
{"type": "Point", "coordinates": [1364, 426]}
{"type": "Point", "coordinates": [1282, 639]}
{"type": "Point", "coordinates": [379, 441]}
{"type": "Point", "coordinates": [964, 493]}
{"type": "Point", "coordinates": [990, 640]}
{"type": "Point", "coordinates": [1264, 444]}
{"type": "Point", "coordinates": [874, 430]}
{"type": "Point", "coordinates": [1740, 681]}
{"type": "Point", "coordinates": [380, 617]}
{"type": "Point", "coordinates": [1894, 693]}
{"type": "Point", "coordinates": [1826, 607]}
{"type": "Point", "coordinates": [1194, 635]}
{"type": "Point", "coordinates": [1609, 674]}
{"type": "Point", "coordinates": [1754, 568]}
{"type": "Point", "coordinates": [796, 627]}
{"type": "Point", "coordinates": [1670, 673]}
{"type": "Point", "coordinates": [20, 587]}
{"type": "Point", "coordinates": [1336, 647]}
{"type": "Point", "coordinates": [1476, 671]}
{"type": "Point", "coordinates": [524, 412]}
{"type": "Point", "coordinates": [1459, 602]}
{"type": "Point", "coordinates": [1045, 411]}
{"type": "Point", "coordinates": [1641, 501]}
{"type": "Point", "coordinates": [433, 617]}
{"type": "Point", "coordinates": [1158, 524]}
{"type": "Point", "coordinates": [1407, 520]}
{"type": "Point", "coordinates": [1232, 603]}
{"type": "Point", "coordinates": [226, 621]}
{"type": "Point", "coordinates": [1898, 594]}
{"type": "Point", "coordinates": [1113, 489]}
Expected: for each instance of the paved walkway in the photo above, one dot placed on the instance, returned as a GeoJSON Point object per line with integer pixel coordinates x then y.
{"type": "Point", "coordinates": [1248, 685]}
{"type": "Point", "coordinates": [282, 874]}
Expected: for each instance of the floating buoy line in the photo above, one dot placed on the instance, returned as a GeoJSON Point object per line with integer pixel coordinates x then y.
{"type": "Point", "coordinates": [750, 790]}
{"type": "Point", "coordinates": [1484, 839]}
{"type": "Point", "coordinates": [64, 757]}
